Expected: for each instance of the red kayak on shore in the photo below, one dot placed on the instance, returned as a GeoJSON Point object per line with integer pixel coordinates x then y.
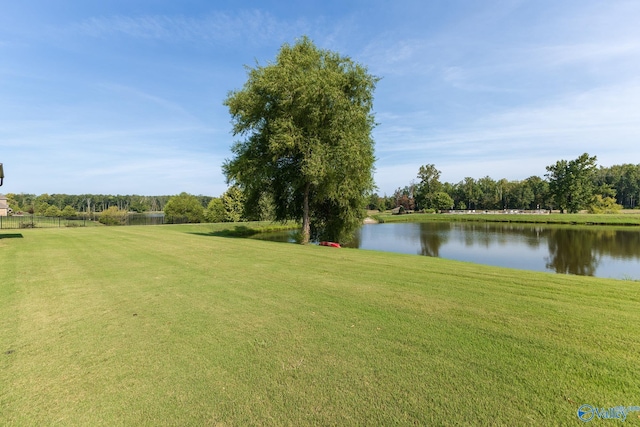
{"type": "Point", "coordinates": [330, 244]}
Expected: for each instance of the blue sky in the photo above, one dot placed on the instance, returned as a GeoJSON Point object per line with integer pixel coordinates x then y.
{"type": "Point", "coordinates": [125, 97]}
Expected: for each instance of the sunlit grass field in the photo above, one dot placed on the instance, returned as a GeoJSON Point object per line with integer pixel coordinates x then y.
{"type": "Point", "coordinates": [179, 325]}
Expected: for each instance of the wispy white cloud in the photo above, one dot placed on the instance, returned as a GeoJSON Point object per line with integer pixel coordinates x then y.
{"type": "Point", "coordinates": [254, 27]}
{"type": "Point", "coordinates": [388, 55]}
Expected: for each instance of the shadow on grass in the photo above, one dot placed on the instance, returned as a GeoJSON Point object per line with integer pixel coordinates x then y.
{"type": "Point", "coordinates": [237, 231]}
{"type": "Point", "coordinates": [11, 236]}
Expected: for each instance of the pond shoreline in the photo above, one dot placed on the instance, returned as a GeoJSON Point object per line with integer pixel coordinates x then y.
{"type": "Point", "coordinates": [625, 219]}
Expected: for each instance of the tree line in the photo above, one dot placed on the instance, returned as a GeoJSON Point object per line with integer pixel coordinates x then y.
{"type": "Point", "coordinates": [88, 203]}
{"type": "Point", "coordinates": [568, 186]}
{"type": "Point", "coordinates": [184, 207]}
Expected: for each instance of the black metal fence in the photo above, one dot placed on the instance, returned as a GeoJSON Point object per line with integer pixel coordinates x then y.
{"type": "Point", "coordinates": [144, 219]}
{"type": "Point", "coordinates": [36, 221]}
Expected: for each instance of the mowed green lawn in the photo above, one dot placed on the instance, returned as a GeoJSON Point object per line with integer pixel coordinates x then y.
{"type": "Point", "coordinates": [171, 325]}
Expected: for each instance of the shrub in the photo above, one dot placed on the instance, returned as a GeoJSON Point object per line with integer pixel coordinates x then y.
{"type": "Point", "coordinates": [68, 212]}
{"type": "Point", "coordinates": [113, 216]}
{"type": "Point", "coordinates": [184, 208]}
{"type": "Point", "coordinates": [215, 211]}
{"type": "Point", "coordinates": [606, 205]}
{"type": "Point", "coordinates": [52, 211]}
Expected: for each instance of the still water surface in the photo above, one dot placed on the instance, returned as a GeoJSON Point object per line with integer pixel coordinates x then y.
{"type": "Point", "coordinates": [589, 251]}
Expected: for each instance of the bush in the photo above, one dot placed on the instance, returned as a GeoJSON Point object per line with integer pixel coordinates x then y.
{"type": "Point", "coordinates": [606, 205]}
{"type": "Point", "coordinates": [113, 216]}
{"type": "Point", "coordinates": [184, 208]}
{"type": "Point", "coordinates": [53, 211]}
{"type": "Point", "coordinates": [68, 212]}
{"type": "Point", "coordinates": [215, 211]}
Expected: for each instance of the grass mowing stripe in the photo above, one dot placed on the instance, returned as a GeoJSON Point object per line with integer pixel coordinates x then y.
{"type": "Point", "coordinates": [174, 325]}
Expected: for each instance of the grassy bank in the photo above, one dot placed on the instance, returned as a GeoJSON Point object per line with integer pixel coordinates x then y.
{"type": "Point", "coordinates": [624, 219]}
{"type": "Point", "coordinates": [176, 325]}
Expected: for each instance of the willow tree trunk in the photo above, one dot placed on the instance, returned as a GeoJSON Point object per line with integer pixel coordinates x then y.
{"type": "Point", "coordinates": [306, 224]}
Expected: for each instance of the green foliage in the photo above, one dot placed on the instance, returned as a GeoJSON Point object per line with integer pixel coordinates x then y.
{"type": "Point", "coordinates": [442, 201]}
{"type": "Point", "coordinates": [306, 119]}
{"type": "Point", "coordinates": [470, 191]}
{"type": "Point", "coordinates": [113, 216]}
{"type": "Point", "coordinates": [540, 190]}
{"type": "Point", "coordinates": [375, 202]}
{"type": "Point", "coordinates": [184, 208]}
{"type": "Point", "coordinates": [233, 201]}
{"type": "Point", "coordinates": [522, 195]}
{"type": "Point", "coordinates": [52, 211]}
{"type": "Point", "coordinates": [490, 194]}
{"type": "Point", "coordinates": [266, 208]}
{"type": "Point", "coordinates": [572, 182]}
{"type": "Point", "coordinates": [215, 211]}
{"type": "Point", "coordinates": [12, 201]}
{"type": "Point", "coordinates": [68, 211]}
{"type": "Point", "coordinates": [428, 186]}
{"type": "Point", "coordinates": [606, 205]}
{"type": "Point", "coordinates": [40, 208]}
{"type": "Point", "coordinates": [139, 205]}
{"type": "Point", "coordinates": [229, 207]}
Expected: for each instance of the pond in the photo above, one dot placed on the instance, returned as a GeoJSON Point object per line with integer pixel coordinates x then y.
{"type": "Point", "coordinates": [582, 250]}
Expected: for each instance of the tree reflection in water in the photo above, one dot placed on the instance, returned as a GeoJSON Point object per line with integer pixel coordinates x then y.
{"type": "Point", "coordinates": [572, 251]}
{"type": "Point", "coordinates": [581, 250]}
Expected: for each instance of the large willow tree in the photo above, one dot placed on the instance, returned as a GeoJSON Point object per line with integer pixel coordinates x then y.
{"type": "Point", "coordinates": [306, 122]}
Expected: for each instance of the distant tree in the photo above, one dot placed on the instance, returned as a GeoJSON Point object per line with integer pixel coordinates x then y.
{"type": "Point", "coordinates": [113, 216]}
{"type": "Point", "coordinates": [428, 186]}
{"type": "Point", "coordinates": [404, 197]}
{"type": "Point", "coordinates": [307, 120]}
{"type": "Point", "coordinates": [233, 201]}
{"type": "Point", "coordinates": [522, 195]}
{"type": "Point", "coordinates": [381, 203]}
{"type": "Point", "coordinates": [471, 191]}
{"type": "Point", "coordinates": [215, 211]}
{"type": "Point", "coordinates": [606, 205]}
{"type": "Point", "coordinates": [442, 201]}
{"type": "Point", "coordinates": [68, 211]}
{"type": "Point", "coordinates": [139, 205]}
{"type": "Point", "coordinates": [572, 183]}
{"type": "Point", "coordinates": [20, 202]}
{"type": "Point", "coordinates": [184, 208]}
{"type": "Point", "coordinates": [374, 202]}
{"type": "Point", "coordinates": [489, 196]}
{"type": "Point", "coordinates": [12, 201]}
{"type": "Point", "coordinates": [503, 188]}
{"type": "Point", "coordinates": [52, 211]}
{"type": "Point", "coordinates": [540, 190]}
{"type": "Point", "coordinates": [388, 202]}
{"type": "Point", "coordinates": [628, 189]}
{"type": "Point", "coordinates": [266, 209]}
{"type": "Point", "coordinates": [624, 179]}
{"type": "Point", "coordinates": [41, 204]}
